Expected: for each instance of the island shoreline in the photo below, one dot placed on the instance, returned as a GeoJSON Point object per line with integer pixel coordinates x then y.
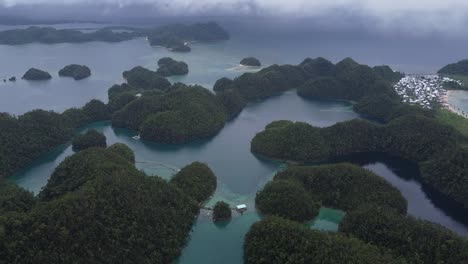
{"type": "Point", "coordinates": [446, 104]}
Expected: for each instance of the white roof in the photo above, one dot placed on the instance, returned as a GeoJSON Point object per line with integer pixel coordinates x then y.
{"type": "Point", "coordinates": [241, 206]}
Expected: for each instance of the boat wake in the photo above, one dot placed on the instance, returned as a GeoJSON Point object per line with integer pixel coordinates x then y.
{"type": "Point", "coordinates": [241, 67]}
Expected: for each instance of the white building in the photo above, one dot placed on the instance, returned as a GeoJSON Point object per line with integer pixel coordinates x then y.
{"type": "Point", "coordinates": [241, 208]}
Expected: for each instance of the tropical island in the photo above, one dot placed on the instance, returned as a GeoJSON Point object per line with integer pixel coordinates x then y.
{"type": "Point", "coordinates": [402, 240]}
{"type": "Point", "coordinates": [375, 227]}
{"type": "Point", "coordinates": [436, 147]}
{"type": "Point", "coordinates": [75, 71]}
{"type": "Point", "coordinates": [250, 61]}
{"type": "Point", "coordinates": [294, 242]}
{"type": "Point", "coordinates": [28, 136]}
{"type": "Point", "coordinates": [171, 114]}
{"type": "Point", "coordinates": [143, 79]}
{"type": "Point", "coordinates": [170, 67]}
{"type": "Point", "coordinates": [182, 114]}
{"type": "Point", "coordinates": [34, 74]}
{"type": "Point", "coordinates": [349, 188]}
{"type": "Point", "coordinates": [50, 35]}
{"type": "Point", "coordinates": [221, 212]}
{"type": "Point", "coordinates": [177, 36]}
{"type": "Point", "coordinates": [348, 78]}
{"type": "Point", "coordinates": [174, 37]}
{"type": "Point", "coordinates": [86, 196]}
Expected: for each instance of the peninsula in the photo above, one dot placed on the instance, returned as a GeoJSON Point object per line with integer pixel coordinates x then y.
{"type": "Point", "coordinates": [458, 68]}
{"type": "Point", "coordinates": [457, 71]}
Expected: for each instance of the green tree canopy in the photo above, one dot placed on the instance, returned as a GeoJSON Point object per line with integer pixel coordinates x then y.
{"type": "Point", "coordinates": [170, 67]}
{"type": "Point", "coordinates": [14, 199]}
{"type": "Point", "coordinates": [34, 74]}
{"type": "Point", "coordinates": [77, 72]}
{"type": "Point", "coordinates": [142, 78]}
{"type": "Point", "coordinates": [196, 180]}
{"type": "Point", "coordinates": [287, 199]}
{"type": "Point", "coordinates": [183, 114]}
{"type": "Point", "coordinates": [345, 186]}
{"type": "Point", "coordinates": [417, 138]}
{"type": "Point", "coordinates": [418, 241]}
{"type": "Point", "coordinates": [276, 240]}
{"type": "Point", "coordinates": [221, 211]}
{"type": "Point", "coordinates": [124, 151]}
{"type": "Point", "coordinates": [98, 208]}
{"type": "Point", "coordinates": [458, 68]}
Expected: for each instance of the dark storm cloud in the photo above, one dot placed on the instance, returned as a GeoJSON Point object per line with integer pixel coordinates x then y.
{"type": "Point", "coordinates": [406, 15]}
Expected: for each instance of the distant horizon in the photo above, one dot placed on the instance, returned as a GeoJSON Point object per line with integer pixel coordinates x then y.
{"type": "Point", "coordinates": [448, 18]}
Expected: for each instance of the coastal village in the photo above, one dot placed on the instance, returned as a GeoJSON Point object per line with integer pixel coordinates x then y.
{"type": "Point", "coordinates": [427, 91]}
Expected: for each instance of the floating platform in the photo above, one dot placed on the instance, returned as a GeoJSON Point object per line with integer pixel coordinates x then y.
{"type": "Point", "coordinates": [241, 208]}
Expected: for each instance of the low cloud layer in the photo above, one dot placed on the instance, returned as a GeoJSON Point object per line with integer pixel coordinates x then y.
{"type": "Point", "coordinates": [428, 15]}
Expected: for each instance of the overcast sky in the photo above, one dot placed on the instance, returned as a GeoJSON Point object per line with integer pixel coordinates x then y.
{"type": "Point", "coordinates": [303, 7]}
{"type": "Point", "coordinates": [439, 15]}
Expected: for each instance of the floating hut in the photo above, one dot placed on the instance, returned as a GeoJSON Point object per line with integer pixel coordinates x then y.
{"type": "Point", "coordinates": [241, 208]}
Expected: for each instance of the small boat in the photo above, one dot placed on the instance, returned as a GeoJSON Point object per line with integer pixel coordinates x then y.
{"type": "Point", "coordinates": [137, 137]}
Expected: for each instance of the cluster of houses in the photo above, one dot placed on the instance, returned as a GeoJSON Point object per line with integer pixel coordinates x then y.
{"type": "Point", "coordinates": [424, 90]}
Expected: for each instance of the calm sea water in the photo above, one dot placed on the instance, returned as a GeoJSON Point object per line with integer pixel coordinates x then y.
{"type": "Point", "coordinates": [240, 174]}
{"type": "Point", "coordinates": [207, 63]}
{"type": "Point", "coordinates": [459, 100]}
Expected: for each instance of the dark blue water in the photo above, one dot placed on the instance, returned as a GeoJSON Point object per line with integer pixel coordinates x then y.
{"type": "Point", "coordinates": [423, 201]}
